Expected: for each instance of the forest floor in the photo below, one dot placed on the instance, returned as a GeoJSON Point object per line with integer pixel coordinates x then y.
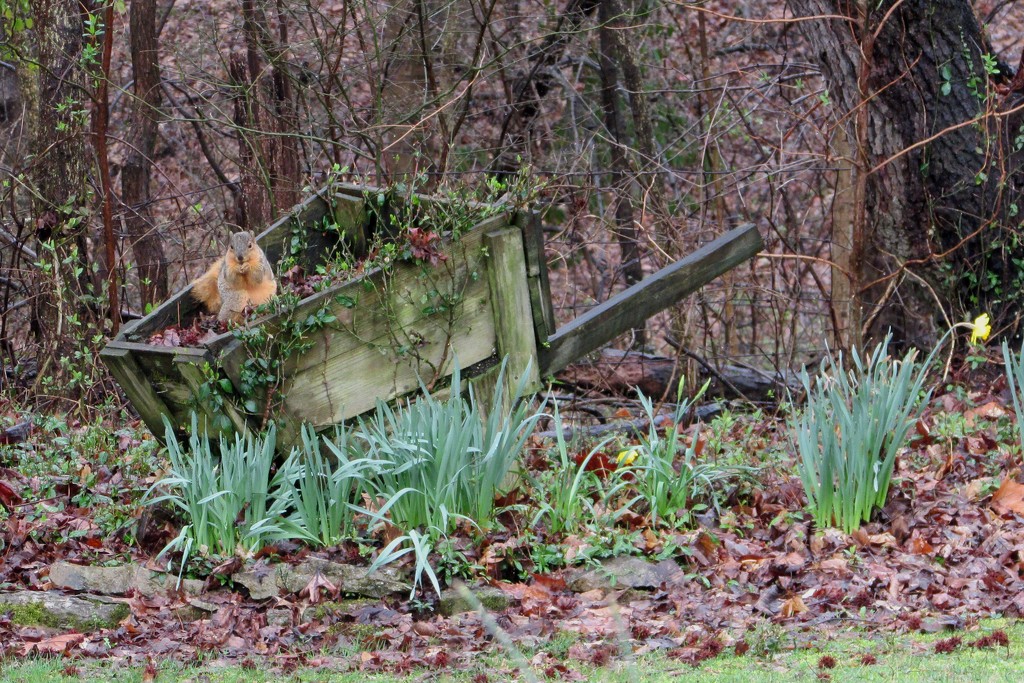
{"type": "Point", "coordinates": [748, 582]}
{"type": "Point", "coordinates": [842, 655]}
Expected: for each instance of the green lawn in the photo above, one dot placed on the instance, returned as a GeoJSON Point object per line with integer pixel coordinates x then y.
{"type": "Point", "coordinates": [779, 656]}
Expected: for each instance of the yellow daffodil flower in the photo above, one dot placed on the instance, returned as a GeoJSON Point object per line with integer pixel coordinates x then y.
{"type": "Point", "coordinates": [981, 328]}
{"type": "Point", "coordinates": [626, 458]}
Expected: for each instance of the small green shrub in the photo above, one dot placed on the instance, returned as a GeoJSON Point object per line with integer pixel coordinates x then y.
{"type": "Point", "coordinates": [324, 490]}
{"type": "Point", "coordinates": [847, 437]}
{"type": "Point", "coordinates": [673, 494]}
{"type": "Point", "coordinates": [438, 462]}
{"type": "Point", "coordinates": [569, 497]}
{"type": "Point", "coordinates": [1014, 364]}
{"type": "Point", "coordinates": [231, 503]}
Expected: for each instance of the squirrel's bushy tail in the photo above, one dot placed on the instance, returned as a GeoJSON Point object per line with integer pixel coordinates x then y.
{"type": "Point", "coordinates": [205, 290]}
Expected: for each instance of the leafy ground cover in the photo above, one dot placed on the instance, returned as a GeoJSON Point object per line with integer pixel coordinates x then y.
{"type": "Point", "coordinates": [780, 655]}
{"type": "Point", "coordinates": [752, 587]}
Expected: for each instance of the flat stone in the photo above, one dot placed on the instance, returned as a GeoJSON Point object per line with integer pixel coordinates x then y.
{"type": "Point", "coordinates": [626, 572]}
{"type": "Point", "coordinates": [347, 578]}
{"type": "Point", "coordinates": [118, 580]}
{"type": "Point", "coordinates": [151, 583]}
{"type": "Point", "coordinates": [82, 613]}
{"type": "Point", "coordinates": [103, 580]}
{"type": "Point", "coordinates": [261, 585]}
{"type": "Point", "coordinates": [279, 617]}
{"type": "Point", "coordinates": [493, 599]}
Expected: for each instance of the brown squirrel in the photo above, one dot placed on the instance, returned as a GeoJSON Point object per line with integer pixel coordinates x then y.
{"type": "Point", "coordinates": [240, 278]}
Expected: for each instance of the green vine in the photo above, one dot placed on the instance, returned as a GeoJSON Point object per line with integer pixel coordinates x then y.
{"type": "Point", "coordinates": [406, 229]}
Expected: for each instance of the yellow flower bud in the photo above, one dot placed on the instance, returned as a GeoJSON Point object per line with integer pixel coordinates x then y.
{"type": "Point", "coordinates": [981, 328]}
{"type": "Point", "coordinates": [626, 458]}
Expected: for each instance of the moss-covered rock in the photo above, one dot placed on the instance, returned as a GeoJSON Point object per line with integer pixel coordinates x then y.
{"type": "Point", "coordinates": [82, 613]}
{"type": "Point", "coordinates": [493, 600]}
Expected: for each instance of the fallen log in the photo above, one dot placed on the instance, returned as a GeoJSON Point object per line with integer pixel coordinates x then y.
{"type": "Point", "coordinates": [623, 372]}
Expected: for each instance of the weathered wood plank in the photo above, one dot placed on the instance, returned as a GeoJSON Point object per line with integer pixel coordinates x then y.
{"type": "Point", "coordinates": [350, 384]}
{"type": "Point", "coordinates": [193, 377]}
{"type": "Point", "coordinates": [142, 350]}
{"type": "Point", "coordinates": [372, 352]}
{"type": "Point", "coordinates": [394, 302]}
{"type": "Point", "coordinates": [136, 385]}
{"type": "Point", "coordinates": [351, 218]}
{"type": "Point", "coordinates": [510, 298]}
{"type": "Point", "coordinates": [631, 307]}
{"type": "Point", "coordinates": [276, 239]}
{"type": "Point", "coordinates": [353, 364]}
{"type": "Point", "coordinates": [537, 273]}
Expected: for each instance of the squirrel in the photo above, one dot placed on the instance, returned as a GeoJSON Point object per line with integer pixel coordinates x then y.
{"type": "Point", "coordinates": [240, 278]}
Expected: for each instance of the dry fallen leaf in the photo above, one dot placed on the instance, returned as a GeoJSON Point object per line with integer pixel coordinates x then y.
{"type": "Point", "coordinates": [425, 628]}
{"type": "Point", "coordinates": [886, 540]}
{"type": "Point", "coordinates": [55, 645]}
{"type": "Point", "coordinates": [8, 496]}
{"type": "Point", "coordinates": [835, 564]}
{"type": "Point", "coordinates": [793, 606]}
{"type": "Point", "coordinates": [150, 674]}
{"type": "Point", "coordinates": [1009, 497]}
{"type": "Point", "coordinates": [920, 546]}
{"type": "Point", "coordinates": [651, 540]}
{"type": "Point", "coordinates": [990, 411]}
{"type": "Point", "coordinates": [976, 488]}
{"type": "Point", "coordinates": [860, 537]}
{"type": "Point", "coordinates": [922, 429]}
{"type": "Point", "coordinates": [318, 583]}
{"type": "Point", "coordinates": [979, 445]}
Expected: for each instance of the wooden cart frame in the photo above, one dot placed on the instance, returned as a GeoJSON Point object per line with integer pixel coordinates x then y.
{"type": "Point", "coordinates": [396, 328]}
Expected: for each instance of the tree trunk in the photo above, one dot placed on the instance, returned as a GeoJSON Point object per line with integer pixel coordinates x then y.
{"type": "Point", "coordinates": [931, 161]}
{"type": "Point", "coordinates": [619, 176]}
{"type": "Point", "coordinates": [51, 82]}
{"type": "Point", "coordinates": [146, 242]}
{"type": "Point", "coordinates": [271, 105]}
{"type": "Point", "coordinates": [251, 210]}
{"type": "Point", "coordinates": [103, 44]}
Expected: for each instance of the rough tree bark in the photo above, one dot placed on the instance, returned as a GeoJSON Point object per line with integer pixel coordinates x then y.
{"type": "Point", "coordinates": [934, 181]}
{"type": "Point", "coordinates": [620, 179]}
{"type": "Point", "coordinates": [103, 43]}
{"type": "Point", "coordinates": [619, 176]}
{"type": "Point", "coordinates": [146, 242]}
{"type": "Point", "coordinates": [271, 93]}
{"type": "Point", "coordinates": [265, 121]}
{"type": "Point", "coordinates": [51, 81]}
{"type": "Point", "coordinates": [251, 201]}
